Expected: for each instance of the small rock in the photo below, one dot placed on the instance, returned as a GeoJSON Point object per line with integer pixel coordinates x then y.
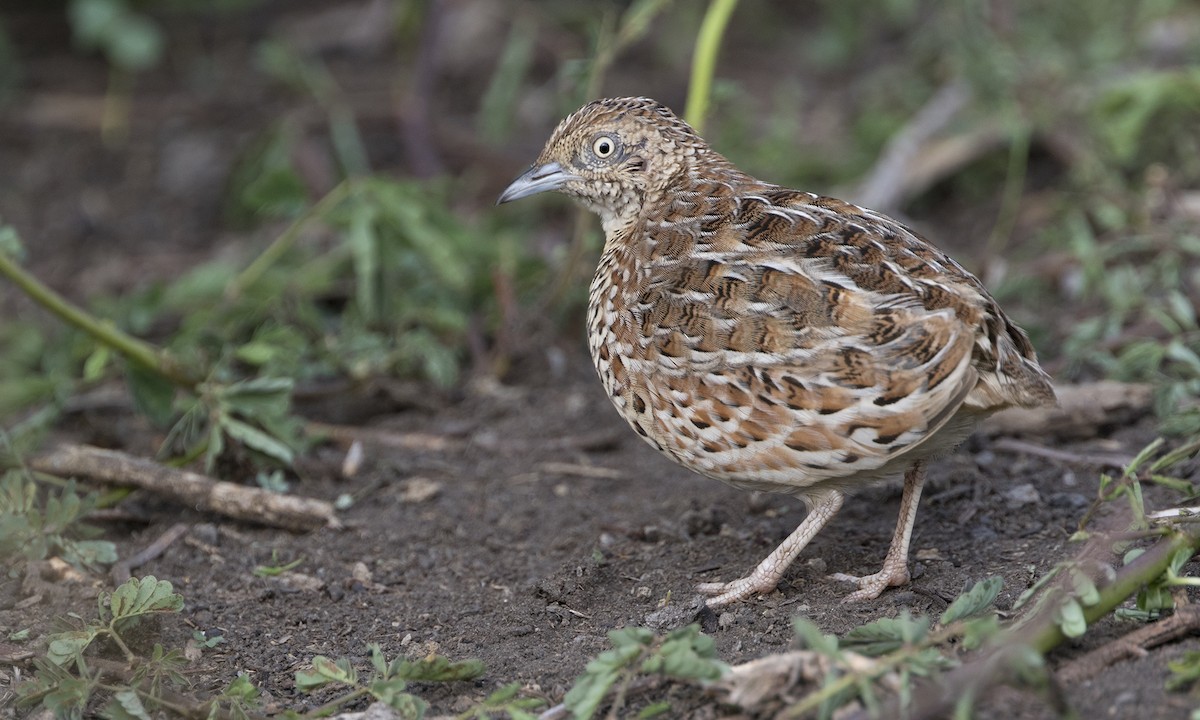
{"type": "Point", "coordinates": [702, 522]}
{"type": "Point", "coordinates": [1068, 500]}
{"type": "Point", "coordinates": [361, 573]}
{"type": "Point", "coordinates": [418, 490]}
{"type": "Point", "coordinates": [205, 533]}
{"type": "Point", "coordinates": [983, 533]}
{"type": "Point", "coordinates": [1021, 495]}
{"type": "Point", "coordinates": [675, 615]}
{"type": "Point", "coordinates": [300, 582]}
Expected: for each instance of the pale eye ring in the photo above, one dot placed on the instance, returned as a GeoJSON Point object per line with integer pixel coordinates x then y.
{"type": "Point", "coordinates": [604, 146]}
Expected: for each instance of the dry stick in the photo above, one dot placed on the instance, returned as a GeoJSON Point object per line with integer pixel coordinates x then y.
{"type": "Point", "coordinates": [1081, 409]}
{"type": "Point", "coordinates": [1112, 460]}
{"type": "Point", "coordinates": [122, 571]}
{"type": "Point", "coordinates": [885, 187]}
{"type": "Point", "coordinates": [188, 488]}
{"type": "Point", "coordinates": [1041, 633]}
{"type": "Point", "coordinates": [348, 434]}
{"type": "Point", "coordinates": [136, 351]}
{"type": "Point", "coordinates": [184, 705]}
{"type": "Point", "coordinates": [1186, 620]}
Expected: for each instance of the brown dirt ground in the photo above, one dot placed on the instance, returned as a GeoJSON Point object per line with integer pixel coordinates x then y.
{"type": "Point", "coordinates": [551, 523]}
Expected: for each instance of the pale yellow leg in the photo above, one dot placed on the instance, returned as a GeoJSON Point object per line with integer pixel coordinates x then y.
{"type": "Point", "coordinates": [769, 572]}
{"type": "Point", "coordinates": [895, 565]}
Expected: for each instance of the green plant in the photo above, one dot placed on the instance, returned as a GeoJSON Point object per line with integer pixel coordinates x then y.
{"type": "Point", "coordinates": [277, 568]}
{"type": "Point", "coordinates": [387, 682]}
{"type": "Point", "coordinates": [131, 41]}
{"type": "Point", "coordinates": [35, 524]}
{"type": "Point", "coordinates": [685, 654]}
{"type": "Point", "coordinates": [906, 646]}
{"type": "Point", "coordinates": [67, 677]}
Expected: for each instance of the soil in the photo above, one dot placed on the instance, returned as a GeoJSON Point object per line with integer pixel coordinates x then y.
{"type": "Point", "coordinates": [533, 521]}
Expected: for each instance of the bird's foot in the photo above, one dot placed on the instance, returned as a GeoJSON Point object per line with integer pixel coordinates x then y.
{"type": "Point", "coordinates": [726, 593]}
{"type": "Point", "coordinates": [872, 586]}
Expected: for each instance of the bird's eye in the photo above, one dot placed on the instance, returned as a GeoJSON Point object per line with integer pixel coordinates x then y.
{"type": "Point", "coordinates": [603, 146]}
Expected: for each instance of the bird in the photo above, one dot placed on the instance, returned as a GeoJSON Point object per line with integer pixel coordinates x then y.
{"type": "Point", "coordinates": [774, 339]}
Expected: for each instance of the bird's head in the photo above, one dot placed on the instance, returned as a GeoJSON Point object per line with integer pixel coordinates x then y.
{"type": "Point", "coordinates": [613, 156]}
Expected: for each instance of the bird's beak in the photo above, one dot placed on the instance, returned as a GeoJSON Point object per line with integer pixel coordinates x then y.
{"type": "Point", "coordinates": [536, 179]}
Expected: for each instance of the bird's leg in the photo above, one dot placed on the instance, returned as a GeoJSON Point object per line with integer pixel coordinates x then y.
{"type": "Point", "coordinates": [895, 565]}
{"type": "Point", "coordinates": [768, 573]}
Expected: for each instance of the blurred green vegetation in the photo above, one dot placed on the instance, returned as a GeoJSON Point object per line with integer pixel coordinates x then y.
{"type": "Point", "coordinates": [1094, 104]}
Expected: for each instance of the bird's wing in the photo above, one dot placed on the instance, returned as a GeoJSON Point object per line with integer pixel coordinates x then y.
{"type": "Point", "coordinates": [763, 354]}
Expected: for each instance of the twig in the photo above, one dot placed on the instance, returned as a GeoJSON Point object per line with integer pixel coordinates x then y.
{"type": "Point", "coordinates": [1040, 631]}
{"type": "Point", "coordinates": [1112, 460]}
{"type": "Point", "coordinates": [1185, 620]}
{"type": "Point", "coordinates": [184, 705]}
{"type": "Point", "coordinates": [122, 571]}
{"type": "Point", "coordinates": [286, 239]}
{"type": "Point", "coordinates": [1179, 514]}
{"type": "Point", "coordinates": [885, 186]}
{"type": "Point", "coordinates": [347, 435]}
{"type": "Point", "coordinates": [137, 351]}
{"type": "Point", "coordinates": [188, 488]}
{"type": "Point", "coordinates": [586, 471]}
{"type": "Point", "coordinates": [1081, 410]}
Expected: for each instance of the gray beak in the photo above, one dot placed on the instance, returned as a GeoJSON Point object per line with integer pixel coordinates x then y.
{"type": "Point", "coordinates": [536, 179]}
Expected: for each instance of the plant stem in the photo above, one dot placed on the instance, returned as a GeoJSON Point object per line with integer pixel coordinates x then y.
{"type": "Point", "coordinates": [336, 703]}
{"type": "Point", "coordinates": [1149, 565]}
{"type": "Point", "coordinates": [704, 61]}
{"type": "Point", "coordinates": [286, 239]}
{"type": "Point", "coordinates": [135, 350]}
{"type": "Point", "coordinates": [883, 665]}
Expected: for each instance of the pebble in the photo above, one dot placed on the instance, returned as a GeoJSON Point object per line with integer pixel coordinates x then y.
{"type": "Point", "coordinates": [1021, 495]}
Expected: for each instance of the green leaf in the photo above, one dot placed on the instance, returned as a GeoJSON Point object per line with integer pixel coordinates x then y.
{"type": "Point", "coordinates": [143, 596]}
{"type": "Point", "coordinates": [68, 698]}
{"type": "Point", "coordinates": [387, 690]}
{"type": "Point", "coordinates": [688, 654]}
{"type": "Point", "coordinates": [125, 705]}
{"type": "Point", "coordinates": [96, 362]}
{"type": "Point", "coordinates": [240, 687]}
{"type": "Point", "coordinates": [65, 647]}
{"type": "Point", "coordinates": [590, 688]}
{"type": "Point", "coordinates": [153, 395]}
{"type": "Point", "coordinates": [93, 20]}
{"type": "Point", "coordinates": [363, 241]}
{"type": "Point", "coordinates": [10, 243]}
{"type": "Point", "coordinates": [813, 638]}
{"type": "Point", "coordinates": [886, 634]}
{"type": "Point", "coordinates": [630, 637]}
{"type": "Point", "coordinates": [977, 631]}
{"type": "Point", "coordinates": [90, 553]}
{"type": "Point", "coordinates": [1184, 672]}
{"type": "Point", "coordinates": [1085, 590]}
{"type": "Point", "coordinates": [1071, 620]}
{"type": "Point", "coordinates": [325, 671]}
{"type": "Point", "coordinates": [439, 669]}
{"type": "Point", "coordinates": [378, 661]}
{"type": "Point", "coordinates": [407, 707]}
{"type": "Point", "coordinates": [654, 710]}
{"type": "Point", "coordinates": [256, 439]}
{"type": "Point", "coordinates": [974, 601]}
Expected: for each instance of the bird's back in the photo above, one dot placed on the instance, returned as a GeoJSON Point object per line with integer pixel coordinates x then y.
{"type": "Point", "coordinates": [781, 340]}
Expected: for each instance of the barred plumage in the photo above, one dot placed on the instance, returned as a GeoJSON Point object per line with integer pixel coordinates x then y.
{"type": "Point", "coordinates": [775, 339]}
